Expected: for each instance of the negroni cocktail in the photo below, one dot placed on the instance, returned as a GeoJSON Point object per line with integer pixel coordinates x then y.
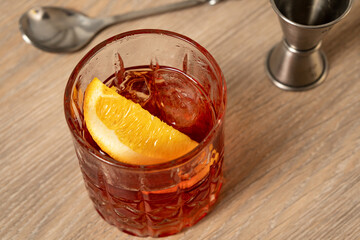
{"type": "Point", "coordinates": [146, 111]}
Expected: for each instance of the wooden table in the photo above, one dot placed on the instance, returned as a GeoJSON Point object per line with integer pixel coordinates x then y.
{"type": "Point", "coordinates": [292, 163]}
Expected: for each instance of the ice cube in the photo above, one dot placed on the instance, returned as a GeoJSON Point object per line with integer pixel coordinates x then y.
{"type": "Point", "coordinates": [134, 86]}
{"type": "Point", "coordinates": [180, 103]}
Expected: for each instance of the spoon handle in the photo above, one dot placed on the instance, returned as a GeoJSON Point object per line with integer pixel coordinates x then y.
{"type": "Point", "coordinates": [152, 11]}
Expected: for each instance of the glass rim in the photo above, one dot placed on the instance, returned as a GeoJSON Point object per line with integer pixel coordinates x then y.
{"type": "Point", "coordinates": [171, 163]}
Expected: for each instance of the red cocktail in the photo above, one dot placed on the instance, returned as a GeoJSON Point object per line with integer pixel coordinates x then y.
{"type": "Point", "coordinates": [177, 81]}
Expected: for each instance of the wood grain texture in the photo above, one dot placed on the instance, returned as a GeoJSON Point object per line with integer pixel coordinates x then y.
{"type": "Point", "coordinates": [292, 162]}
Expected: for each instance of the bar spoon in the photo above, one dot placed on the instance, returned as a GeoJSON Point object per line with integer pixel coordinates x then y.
{"type": "Point", "coordinates": [55, 29]}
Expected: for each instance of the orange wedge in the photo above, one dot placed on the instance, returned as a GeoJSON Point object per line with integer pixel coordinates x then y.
{"type": "Point", "coordinates": [129, 133]}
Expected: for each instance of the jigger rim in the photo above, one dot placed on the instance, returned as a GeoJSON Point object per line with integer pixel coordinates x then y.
{"type": "Point", "coordinates": [278, 12]}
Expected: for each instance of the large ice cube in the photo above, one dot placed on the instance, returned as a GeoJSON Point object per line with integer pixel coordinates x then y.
{"type": "Point", "coordinates": [180, 103]}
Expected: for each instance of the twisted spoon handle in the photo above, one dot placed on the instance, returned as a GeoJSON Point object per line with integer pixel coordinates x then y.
{"type": "Point", "coordinates": [152, 11]}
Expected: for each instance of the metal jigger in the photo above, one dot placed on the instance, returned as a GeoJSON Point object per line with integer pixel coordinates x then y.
{"type": "Point", "coordinates": [297, 63]}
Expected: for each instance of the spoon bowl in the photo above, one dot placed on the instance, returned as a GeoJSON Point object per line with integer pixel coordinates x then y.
{"type": "Point", "coordinates": [56, 29]}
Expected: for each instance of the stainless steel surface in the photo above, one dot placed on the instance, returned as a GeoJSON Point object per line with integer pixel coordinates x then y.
{"type": "Point", "coordinates": [55, 29]}
{"type": "Point", "coordinates": [297, 63]}
{"type": "Point", "coordinates": [297, 70]}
